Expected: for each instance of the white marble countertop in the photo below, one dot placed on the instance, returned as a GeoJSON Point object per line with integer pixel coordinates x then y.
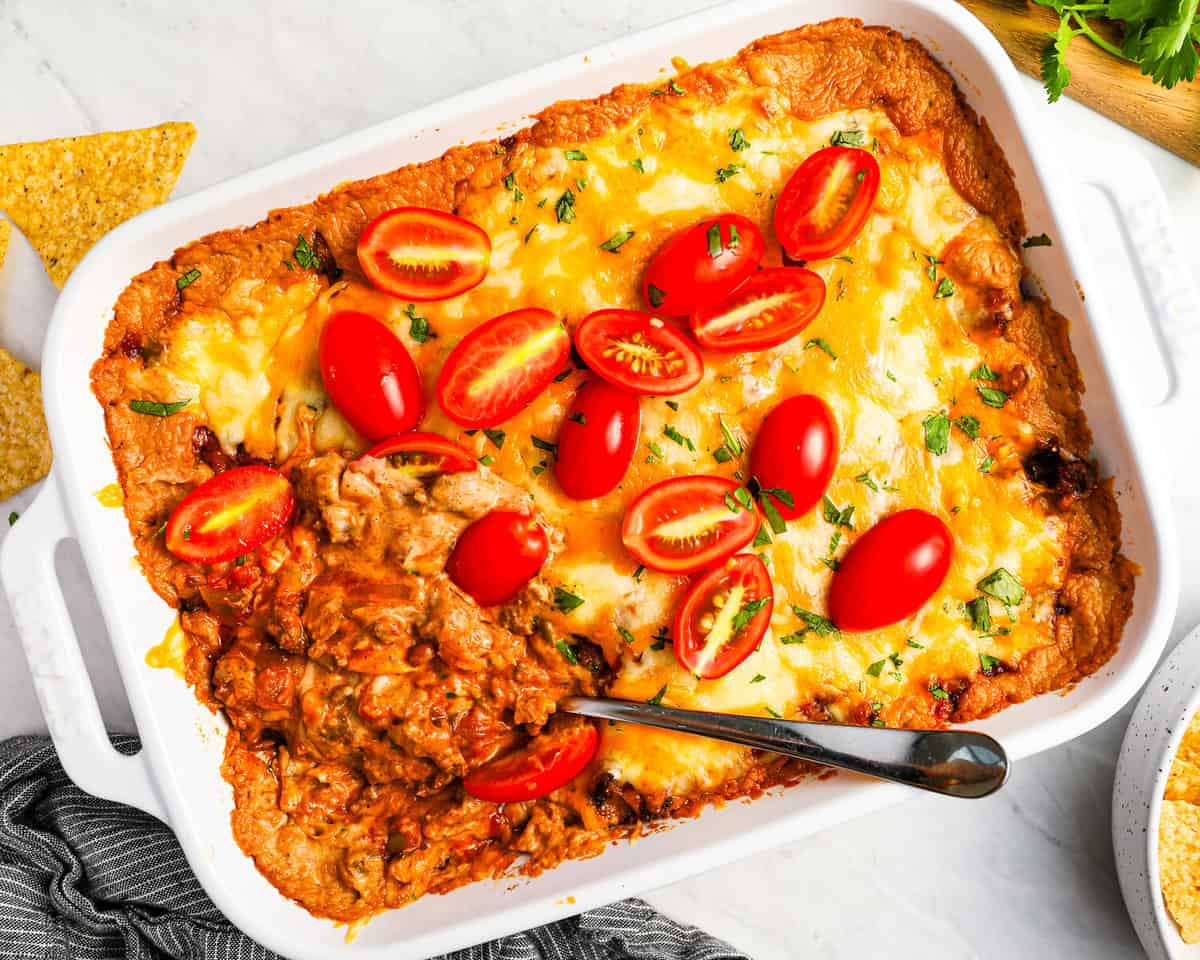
{"type": "Point", "coordinates": [906, 881]}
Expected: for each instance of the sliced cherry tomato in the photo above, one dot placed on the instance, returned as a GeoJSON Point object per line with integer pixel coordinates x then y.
{"type": "Point", "coordinates": [423, 454]}
{"type": "Point", "coordinates": [230, 514]}
{"type": "Point", "coordinates": [501, 365]}
{"type": "Point", "coordinates": [891, 571]}
{"type": "Point", "coordinates": [421, 254]}
{"type": "Point", "coordinates": [637, 352]}
{"type": "Point", "coordinates": [547, 762]}
{"type": "Point", "coordinates": [771, 307]}
{"type": "Point", "coordinates": [369, 375]}
{"type": "Point", "coordinates": [826, 202]}
{"type": "Point", "coordinates": [698, 266]}
{"type": "Point", "coordinates": [497, 555]}
{"type": "Point", "coordinates": [689, 523]}
{"type": "Point", "coordinates": [597, 441]}
{"type": "Point", "coordinates": [796, 450]}
{"type": "Point", "coordinates": [723, 616]}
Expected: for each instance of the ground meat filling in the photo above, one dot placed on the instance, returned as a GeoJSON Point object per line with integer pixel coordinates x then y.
{"type": "Point", "coordinates": [365, 683]}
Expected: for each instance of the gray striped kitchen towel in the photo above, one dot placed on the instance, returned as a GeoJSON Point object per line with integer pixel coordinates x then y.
{"type": "Point", "coordinates": [87, 879]}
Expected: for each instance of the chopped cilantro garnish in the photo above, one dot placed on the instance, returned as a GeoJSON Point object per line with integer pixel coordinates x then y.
{"type": "Point", "coordinates": [655, 295]}
{"type": "Point", "coordinates": [762, 538]}
{"type": "Point", "coordinates": [839, 518]}
{"type": "Point", "coordinates": [529, 233]}
{"type": "Point", "coordinates": [866, 481]}
{"type": "Point", "coordinates": [743, 617]}
{"type": "Point", "coordinates": [153, 408]}
{"type": "Point", "coordinates": [737, 140]}
{"type": "Point", "coordinates": [776, 714]}
{"type": "Point", "coordinates": [980, 614]}
{"type": "Point", "coordinates": [574, 154]}
{"type": "Point", "coordinates": [637, 574]}
{"type": "Point", "coordinates": [13, 517]}
{"type": "Point", "coordinates": [672, 434]}
{"type": "Point", "coordinates": [758, 678]}
{"type": "Point", "coordinates": [579, 418]}
{"type": "Point", "coordinates": [945, 288]}
{"type": "Point", "coordinates": [727, 171]}
{"type": "Point", "coordinates": [304, 255]}
{"type": "Point", "coordinates": [876, 668]}
{"type": "Point", "coordinates": [567, 651]}
{"type": "Point", "coordinates": [988, 663]}
{"type": "Point", "coordinates": [792, 638]}
{"type": "Point", "coordinates": [614, 243]}
{"type": "Point", "coordinates": [821, 626]}
{"type": "Point", "coordinates": [656, 700]}
{"type": "Point", "coordinates": [1003, 586]}
{"type": "Point", "coordinates": [566, 601]}
{"type": "Point", "coordinates": [848, 138]}
{"type": "Point", "coordinates": [913, 643]}
{"type": "Point", "coordinates": [564, 210]}
{"type": "Point", "coordinates": [819, 342]}
{"type": "Point", "coordinates": [487, 459]}
{"type": "Point", "coordinates": [496, 436]}
{"type": "Point", "coordinates": [418, 327]}
{"type": "Point", "coordinates": [715, 247]}
{"type": "Point", "coordinates": [939, 692]}
{"type": "Point", "coordinates": [937, 433]}
{"type": "Point", "coordinates": [986, 465]}
{"type": "Point", "coordinates": [626, 635]}
{"type": "Point", "coordinates": [187, 279]}
{"type": "Point", "coordinates": [992, 396]}
{"type": "Point", "coordinates": [544, 445]}
{"type": "Point", "coordinates": [637, 165]}
{"type": "Point", "coordinates": [676, 89]}
{"type": "Point", "coordinates": [1037, 240]}
{"type": "Point", "coordinates": [983, 372]}
{"type": "Point", "coordinates": [968, 425]}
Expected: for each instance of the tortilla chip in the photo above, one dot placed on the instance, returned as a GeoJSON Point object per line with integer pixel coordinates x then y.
{"type": "Point", "coordinates": [24, 442]}
{"type": "Point", "coordinates": [1183, 783]}
{"type": "Point", "coordinates": [1189, 746]}
{"type": "Point", "coordinates": [5, 233]}
{"type": "Point", "coordinates": [64, 195]}
{"type": "Point", "coordinates": [1179, 865]}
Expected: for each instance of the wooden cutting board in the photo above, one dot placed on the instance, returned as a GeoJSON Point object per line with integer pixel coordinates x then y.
{"type": "Point", "coordinates": [1107, 84]}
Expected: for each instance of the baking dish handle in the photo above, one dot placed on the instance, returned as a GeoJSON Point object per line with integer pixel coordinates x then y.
{"type": "Point", "coordinates": [60, 677]}
{"type": "Point", "coordinates": [1155, 255]}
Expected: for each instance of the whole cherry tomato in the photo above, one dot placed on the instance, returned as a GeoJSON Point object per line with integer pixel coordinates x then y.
{"type": "Point", "coordinates": [891, 571]}
{"type": "Point", "coordinates": [497, 555]}
{"type": "Point", "coordinates": [796, 450]}
{"type": "Point", "coordinates": [699, 265]}
{"type": "Point", "coordinates": [597, 441]}
{"type": "Point", "coordinates": [230, 514]}
{"type": "Point", "coordinates": [369, 375]}
{"type": "Point", "coordinates": [417, 253]}
{"type": "Point", "coordinates": [723, 616]}
{"type": "Point", "coordinates": [826, 202]}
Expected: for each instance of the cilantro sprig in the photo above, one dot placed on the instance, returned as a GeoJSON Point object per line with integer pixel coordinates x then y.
{"type": "Point", "coordinates": [1161, 38]}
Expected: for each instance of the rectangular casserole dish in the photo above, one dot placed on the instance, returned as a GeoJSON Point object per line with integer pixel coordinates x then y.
{"type": "Point", "coordinates": [177, 775]}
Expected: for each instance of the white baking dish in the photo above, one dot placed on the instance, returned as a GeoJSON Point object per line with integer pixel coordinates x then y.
{"type": "Point", "coordinates": [176, 776]}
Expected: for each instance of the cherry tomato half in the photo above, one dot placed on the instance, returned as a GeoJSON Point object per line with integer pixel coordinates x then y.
{"type": "Point", "coordinates": [826, 202]}
{"type": "Point", "coordinates": [421, 254]}
{"type": "Point", "coordinates": [796, 450]}
{"type": "Point", "coordinates": [723, 616]}
{"type": "Point", "coordinates": [699, 265]}
{"type": "Point", "coordinates": [230, 514]}
{"type": "Point", "coordinates": [497, 555]}
{"type": "Point", "coordinates": [771, 307]}
{"type": "Point", "coordinates": [369, 375]}
{"type": "Point", "coordinates": [547, 762]}
{"type": "Point", "coordinates": [689, 523]}
{"type": "Point", "coordinates": [597, 441]}
{"type": "Point", "coordinates": [637, 352]}
{"type": "Point", "coordinates": [501, 365]}
{"type": "Point", "coordinates": [423, 454]}
{"type": "Point", "coordinates": [891, 571]}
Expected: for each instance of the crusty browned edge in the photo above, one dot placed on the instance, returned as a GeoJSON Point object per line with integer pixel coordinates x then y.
{"type": "Point", "coordinates": [811, 71]}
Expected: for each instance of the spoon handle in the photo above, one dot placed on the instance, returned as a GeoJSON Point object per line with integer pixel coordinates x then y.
{"type": "Point", "coordinates": [957, 763]}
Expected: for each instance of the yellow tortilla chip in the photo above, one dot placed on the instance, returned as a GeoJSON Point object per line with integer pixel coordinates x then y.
{"type": "Point", "coordinates": [24, 442]}
{"type": "Point", "coordinates": [5, 233]}
{"type": "Point", "coordinates": [1189, 746]}
{"type": "Point", "coordinates": [64, 195]}
{"type": "Point", "coordinates": [1179, 865]}
{"type": "Point", "coordinates": [1184, 781]}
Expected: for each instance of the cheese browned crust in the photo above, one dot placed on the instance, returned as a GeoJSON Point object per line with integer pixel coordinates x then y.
{"type": "Point", "coordinates": [240, 341]}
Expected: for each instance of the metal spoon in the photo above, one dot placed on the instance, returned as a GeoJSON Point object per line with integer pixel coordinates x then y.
{"type": "Point", "coordinates": [957, 763]}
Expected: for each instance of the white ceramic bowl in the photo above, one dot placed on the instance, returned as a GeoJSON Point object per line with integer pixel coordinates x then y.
{"type": "Point", "coordinates": [1157, 726]}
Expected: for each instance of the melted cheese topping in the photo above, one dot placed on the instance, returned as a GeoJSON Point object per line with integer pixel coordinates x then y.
{"type": "Point", "coordinates": [895, 356]}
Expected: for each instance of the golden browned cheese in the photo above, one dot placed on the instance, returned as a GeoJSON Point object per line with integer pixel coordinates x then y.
{"type": "Point", "coordinates": [923, 310]}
